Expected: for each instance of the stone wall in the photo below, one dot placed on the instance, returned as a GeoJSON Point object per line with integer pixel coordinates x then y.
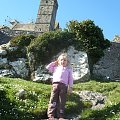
{"type": "Point", "coordinates": [4, 38]}
{"type": "Point", "coordinates": [6, 34]}
{"type": "Point", "coordinates": [24, 27]}
{"type": "Point", "coordinates": [16, 68]}
{"type": "Point", "coordinates": [109, 66]}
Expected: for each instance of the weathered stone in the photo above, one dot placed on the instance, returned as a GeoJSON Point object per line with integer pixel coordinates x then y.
{"type": "Point", "coordinates": [20, 68]}
{"type": "Point", "coordinates": [11, 49]}
{"type": "Point", "coordinates": [79, 63]}
{"type": "Point", "coordinates": [21, 94]}
{"type": "Point", "coordinates": [97, 99]}
{"type": "Point", "coordinates": [3, 52]}
{"type": "Point", "coordinates": [6, 72]}
{"type": "Point", "coordinates": [3, 62]}
{"type": "Point", "coordinates": [108, 67]}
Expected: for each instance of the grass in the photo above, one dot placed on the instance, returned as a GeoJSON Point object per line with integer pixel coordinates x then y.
{"type": "Point", "coordinates": [35, 102]}
{"type": "Point", "coordinates": [112, 104]}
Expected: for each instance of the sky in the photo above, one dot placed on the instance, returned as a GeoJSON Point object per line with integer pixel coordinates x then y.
{"type": "Point", "coordinates": [104, 13]}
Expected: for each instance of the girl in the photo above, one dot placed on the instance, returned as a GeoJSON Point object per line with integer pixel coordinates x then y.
{"type": "Point", "coordinates": [62, 79]}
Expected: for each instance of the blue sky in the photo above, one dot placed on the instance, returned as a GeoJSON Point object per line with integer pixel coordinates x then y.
{"type": "Point", "coordinates": [104, 13]}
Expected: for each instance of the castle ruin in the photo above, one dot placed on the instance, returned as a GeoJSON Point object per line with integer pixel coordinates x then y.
{"type": "Point", "coordinates": [45, 21]}
{"type": "Point", "coordinates": [107, 67]}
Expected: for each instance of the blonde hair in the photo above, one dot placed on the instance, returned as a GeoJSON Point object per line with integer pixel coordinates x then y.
{"type": "Point", "coordinates": [64, 56]}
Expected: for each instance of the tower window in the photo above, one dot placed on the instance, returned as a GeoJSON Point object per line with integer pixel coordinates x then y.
{"type": "Point", "coordinates": [46, 1]}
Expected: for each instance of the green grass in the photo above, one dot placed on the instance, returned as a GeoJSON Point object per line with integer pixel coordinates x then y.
{"type": "Point", "coordinates": [35, 102]}
{"type": "Point", "coordinates": [112, 104]}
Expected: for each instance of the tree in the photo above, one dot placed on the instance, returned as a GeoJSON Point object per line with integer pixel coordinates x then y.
{"type": "Point", "coordinates": [89, 38]}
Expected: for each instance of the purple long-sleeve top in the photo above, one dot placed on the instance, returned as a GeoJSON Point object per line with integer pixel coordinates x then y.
{"type": "Point", "coordinates": [61, 74]}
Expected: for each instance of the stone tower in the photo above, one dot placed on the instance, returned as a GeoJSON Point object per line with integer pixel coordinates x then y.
{"type": "Point", "coordinates": [46, 16]}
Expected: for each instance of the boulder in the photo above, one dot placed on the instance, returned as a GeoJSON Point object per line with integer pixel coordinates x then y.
{"type": "Point", "coordinates": [78, 61]}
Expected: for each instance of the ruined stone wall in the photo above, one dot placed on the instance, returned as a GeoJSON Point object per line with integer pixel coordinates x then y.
{"type": "Point", "coordinates": [6, 34]}
{"type": "Point", "coordinates": [4, 38]}
{"type": "Point", "coordinates": [109, 66]}
{"type": "Point", "coordinates": [24, 27]}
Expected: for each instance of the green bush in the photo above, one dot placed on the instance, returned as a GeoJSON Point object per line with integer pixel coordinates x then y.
{"type": "Point", "coordinates": [21, 40]}
{"type": "Point", "coordinates": [18, 53]}
{"type": "Point", "coordinates": [49, 44]}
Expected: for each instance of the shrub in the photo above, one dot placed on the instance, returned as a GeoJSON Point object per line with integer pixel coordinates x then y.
{"type": "Point", "coordinates": [21, 40]}
{"type": "Point", "coordinates": [49, 44]}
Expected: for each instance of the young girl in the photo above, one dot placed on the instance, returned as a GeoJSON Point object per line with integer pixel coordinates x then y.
{"type": "Point", "coordinates": [62, 79]}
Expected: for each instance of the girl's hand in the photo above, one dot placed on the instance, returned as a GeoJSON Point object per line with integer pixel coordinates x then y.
{"type": "Point", "coordinates": [56, 62]}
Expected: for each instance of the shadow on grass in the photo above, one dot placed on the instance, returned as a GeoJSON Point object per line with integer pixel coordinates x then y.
{"type": "Point", "coordinates": [9, 110]}
{"type": "Point", "coordinates": [3, 81]}
{"type": "Point", "coordinates": [108, 112]}
{"type": "Point", "coordinates": [73, 106]}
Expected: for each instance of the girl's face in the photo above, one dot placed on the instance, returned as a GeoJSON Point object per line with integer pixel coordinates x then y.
{"type": "Point", "coordinates": [62, 61]}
